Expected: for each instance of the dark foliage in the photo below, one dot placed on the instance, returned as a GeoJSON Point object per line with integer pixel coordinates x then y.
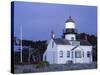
{"type": "Point", "coordinates": [17, 57]}
{"type": "Point", "coordinates": [91, 38]}
{"type": "Point", "coordinates": [42, 64]}
{"type": "Point", "coordinates": [39, 48]}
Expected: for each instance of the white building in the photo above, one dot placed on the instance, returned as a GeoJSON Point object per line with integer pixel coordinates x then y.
{"type": "Point", "coordinates": [68, 49]}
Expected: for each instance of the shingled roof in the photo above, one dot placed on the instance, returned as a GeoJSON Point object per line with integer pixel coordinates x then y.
{"type": "Point", "coordinates": [84, 42]}
{"type": "Point", "coordinates": [61, 41]}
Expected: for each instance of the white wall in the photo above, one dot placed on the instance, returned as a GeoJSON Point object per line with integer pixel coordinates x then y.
{"type": "Point", "coordinates": [50, 53]}
{"type": "Point", "coordinates": [86, 59]}
{"type": "Point", "coordinates": [68, 36]}
{"type": "Point", "coordinates": [64, 48]}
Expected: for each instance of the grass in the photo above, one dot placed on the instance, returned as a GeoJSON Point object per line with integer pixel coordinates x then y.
{"type": "Point", "coordinates": [42, 64]}
{"type": "Point", "coordinates": [46, 67]}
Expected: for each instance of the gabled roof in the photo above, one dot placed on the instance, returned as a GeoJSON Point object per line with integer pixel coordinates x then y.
{"type": "Point", "coordinates": [75, 47]}
{"type": "Point", "coordinates": [61, 41]}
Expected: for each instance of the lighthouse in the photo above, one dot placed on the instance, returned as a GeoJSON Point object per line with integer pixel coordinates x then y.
{"type": "Point", "coordinates": [68, 49]}
{"type": "Point", "coordinates": [69, 31]}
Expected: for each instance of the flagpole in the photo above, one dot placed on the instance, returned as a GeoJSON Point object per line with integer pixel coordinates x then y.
{"type": "Point", "coordinates": [21, 44]}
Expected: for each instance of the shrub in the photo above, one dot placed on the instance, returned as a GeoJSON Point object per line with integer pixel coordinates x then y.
{"type": "Point", "coordinates": [42, 64]}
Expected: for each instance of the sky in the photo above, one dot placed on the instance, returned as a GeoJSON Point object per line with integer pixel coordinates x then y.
{"type": "Point", "coordinates": [39, 19]}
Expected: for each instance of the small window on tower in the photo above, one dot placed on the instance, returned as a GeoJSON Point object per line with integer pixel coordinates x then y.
{"type": "Point", "coordinates": [52, 44]}
{"type": "Point", "coordinates": [72, 38]}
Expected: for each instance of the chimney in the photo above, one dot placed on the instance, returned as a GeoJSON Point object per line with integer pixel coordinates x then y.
{"type": "Point", "coordinates": [52, 35]}
{"type": "Point", "coordinates": [86, 37]}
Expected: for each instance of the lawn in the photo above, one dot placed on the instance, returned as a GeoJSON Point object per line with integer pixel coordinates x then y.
{"type": "Point", "coordinates": [53, 67]}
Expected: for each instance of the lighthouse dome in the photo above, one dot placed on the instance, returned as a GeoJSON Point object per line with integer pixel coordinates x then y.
{"type": "Point", "coordinates": [70, 20]}
{"type": "Point", "coordinates": [70, 23]}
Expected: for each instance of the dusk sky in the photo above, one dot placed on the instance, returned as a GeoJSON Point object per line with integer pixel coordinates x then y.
{"type": "Point", "coordinates": [39, 19]}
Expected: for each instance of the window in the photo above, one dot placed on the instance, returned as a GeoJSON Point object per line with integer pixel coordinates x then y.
{"type": "Point", "coordinates": [61, 53]}
{"type": "Point", "coordinates": [45, 58]}
{"type": "Point", "coordinates": [83, 53]}
{"type": "Point", "coordinates": [88, 53]}
{"type": "Point", "coordinates": [68, 53]}
{"type": "Point", "coordinates": [77, 54]}
{"type": "Point", "coordinates": [52, 44]}
{"type": "Point", "coordinates": [72, 38]}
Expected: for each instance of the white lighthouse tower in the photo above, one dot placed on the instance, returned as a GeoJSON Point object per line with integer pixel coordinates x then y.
{"type": "Point", "coordinates": [69, 31]}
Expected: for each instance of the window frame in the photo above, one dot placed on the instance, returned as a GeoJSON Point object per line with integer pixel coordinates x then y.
{"type": "Point", "coordinates": [72, 38]}
{"type": "Point", "coordinates": [60, 54]}
{"type": "Point", "coordinates": [78, 54]}
{"type": "Point", "coordinates": [52, 44]}
{"type": "Point", "coordinates": [88, 54]}
{"type": "Point", "coordinates": [68, 54]}
{"type": "Point", "coordinates": [83, 53]}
